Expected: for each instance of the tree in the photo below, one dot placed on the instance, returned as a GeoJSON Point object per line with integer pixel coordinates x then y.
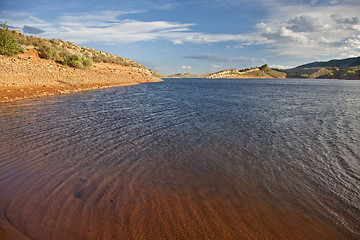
{"type": "Point", "coordinates": [8, 43]}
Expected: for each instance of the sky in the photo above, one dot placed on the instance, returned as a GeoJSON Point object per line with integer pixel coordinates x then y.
{"type": "Point", "coordinates": [197, 36]}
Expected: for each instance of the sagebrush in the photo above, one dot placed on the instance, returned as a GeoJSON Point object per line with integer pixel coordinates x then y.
{"type": "Point", "coordinates": [77, 61]}
{"type": "Point", "coordinates": [8, 43]}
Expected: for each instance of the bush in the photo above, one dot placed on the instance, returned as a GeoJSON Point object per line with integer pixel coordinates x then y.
{"type": "Point", "coordinates": [8, 43]}
{"type": "Point", "coordinates": [77, 61]}
{"type": "Point", "coordinates": [48, 52]}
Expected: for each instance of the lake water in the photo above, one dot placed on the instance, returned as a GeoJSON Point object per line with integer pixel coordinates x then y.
{"type": "Point", "coordinates": [184, 159]}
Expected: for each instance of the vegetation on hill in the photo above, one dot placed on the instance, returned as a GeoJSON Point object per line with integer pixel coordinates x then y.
{"type": "Point", "coordinates": [337, 69]}
{"type": "Point", "coordinates": [256, 72]}
{"type": "Point", "coordinates": [348, 68]}
{"type": "Point", "coordinates": [338, 63]}
{"type": "Point", "coordinates": [8, 43]}
{"type": "Point", "coordinates": [77, 61]}
{"type": "Point", "coordinates": [58, 49]}
{"type": "Point", "coordinates": [67, 53]}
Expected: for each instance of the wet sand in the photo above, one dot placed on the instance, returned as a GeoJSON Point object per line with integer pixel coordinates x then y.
{"type": "Point", "coordinates": [28, 76]}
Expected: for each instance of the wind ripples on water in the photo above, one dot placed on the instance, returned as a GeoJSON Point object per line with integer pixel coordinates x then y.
{"type": "Point", "coordinates": [184, 159]}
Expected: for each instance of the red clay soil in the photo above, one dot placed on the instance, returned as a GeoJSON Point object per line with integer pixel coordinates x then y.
{"type": "Point", "coordinates": [28, 76]}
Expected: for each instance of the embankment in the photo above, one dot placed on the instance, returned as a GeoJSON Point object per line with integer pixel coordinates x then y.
{"type": "Point", "coordinates": [28, 76]}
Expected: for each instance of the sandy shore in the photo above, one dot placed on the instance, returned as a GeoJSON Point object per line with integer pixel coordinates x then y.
{"type": "Point", "coordinates": [29, 76]}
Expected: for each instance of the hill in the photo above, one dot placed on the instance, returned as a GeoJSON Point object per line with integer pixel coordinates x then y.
{"type": "Point", "coordinates": [339, 63]}
{"type": "Point", "coordinates": [348, 68]}
{"type": "Point", "coordinates": [262, 72]}
{"type": "Point", "coordinates": [49, 67]}
{"type": "Point", "coordinates": [188, 75]}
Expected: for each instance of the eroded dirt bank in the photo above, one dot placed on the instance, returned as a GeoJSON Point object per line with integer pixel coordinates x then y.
{"type": "Point", "coordinates": [29, 76]}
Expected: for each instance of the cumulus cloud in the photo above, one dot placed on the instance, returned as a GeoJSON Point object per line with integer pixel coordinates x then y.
{"type": "Point", "coordinates": [350, 44]}
{"type": "Point", "coordinates": [312, 31]}
{"type": "Point", "coordinates": [352, 21]}
{"type": "Point", "coordinates": [281, 34]}
{"type": "Point", "coordinates": [349, 23]}
{"type": "Point", "coordinates": [305, 24]}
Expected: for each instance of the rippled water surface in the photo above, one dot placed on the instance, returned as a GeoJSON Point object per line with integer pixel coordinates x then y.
{"type": "Point", "coordinates": [184, 159]}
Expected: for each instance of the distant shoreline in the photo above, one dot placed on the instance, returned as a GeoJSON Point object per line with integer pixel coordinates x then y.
{"type": "Point", "coordinates": [28, 76]}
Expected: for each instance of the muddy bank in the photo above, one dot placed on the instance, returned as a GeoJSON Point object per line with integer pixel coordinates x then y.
{"type": "Point", "coordinates": [29, 76]}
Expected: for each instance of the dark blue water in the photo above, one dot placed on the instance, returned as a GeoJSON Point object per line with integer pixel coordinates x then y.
{"type": "Point", "coordinates": [185, 159]}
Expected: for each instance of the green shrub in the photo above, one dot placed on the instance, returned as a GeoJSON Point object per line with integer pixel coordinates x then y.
{"type": "Point", "coordinates": [8, 43]}
{"type": "Point", "coordinates": [48, 52]}
{"type": "Point", "coordinates": [87, 62]}
{"type": "Point", "coordinates": [77, 61]}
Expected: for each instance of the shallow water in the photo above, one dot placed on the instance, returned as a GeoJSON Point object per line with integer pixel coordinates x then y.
{"type": "Point", "coordinates": [184, 159]}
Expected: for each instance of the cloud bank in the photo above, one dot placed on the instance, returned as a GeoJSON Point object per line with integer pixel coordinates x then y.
{"type": "Point", "coordinates": [215, 58]}
{"type": "Point", "coordinates": [290, 28]}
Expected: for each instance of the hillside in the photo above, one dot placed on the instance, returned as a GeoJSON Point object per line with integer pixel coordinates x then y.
{"type": "Point", "coordinates": [339, 63]}
{"type": "Point", "coordinates": [50, 67]}
{"type": "Point", "coordinates": [348, 68]}
{"type": "Point", "coordinates": [262, 72]}
{"type": "Point", "coordinates": [188, 75]}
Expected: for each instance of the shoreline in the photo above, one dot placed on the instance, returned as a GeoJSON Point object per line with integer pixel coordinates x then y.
{"type": "Point", "coordinates": [28, 76]}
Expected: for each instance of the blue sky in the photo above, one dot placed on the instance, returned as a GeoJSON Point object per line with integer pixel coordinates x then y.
{"type": "Point", "coordinates": [198, 36]}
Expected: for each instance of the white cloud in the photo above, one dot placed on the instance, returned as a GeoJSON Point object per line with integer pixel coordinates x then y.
{"type": "Point", "coordinates": [221, 62]}
{"type": "Point", "coordinates": [216, 58]}
{"type": "Point", "coordinates": [186, 67]}
{"type": "Point", "coordinates": [305, 24]}
{"type": "Point", "coordinates": [281, 66]}
{"type": "Point", "coordinates": [281, 34]}
{"type": "Point", "coordinates": [312, 31]}
{"type": "Point", "coordinates": [106, 27]}
{"type": "Point", "coordinates": [234, 46]}
{"type": "Point", "coordinates": [350, 45]}
{"type": "Point", "coordinates": [215, 67]}
{"type": "Point", "coordinates": [292, 28]}
{"type": "Point", "coordinates": [352, 21]}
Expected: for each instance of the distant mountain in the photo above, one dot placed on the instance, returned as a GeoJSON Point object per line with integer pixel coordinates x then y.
{"type": "Point", "coordinates": [348, 68]}
{"type": "Point", "coordinates": [339, 63]}
{"type": "Point", "coordinates": [262, 72]}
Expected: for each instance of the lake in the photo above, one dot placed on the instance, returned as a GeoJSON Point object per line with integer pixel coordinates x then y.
{"type": "Point", "coordinates": [184, 159]}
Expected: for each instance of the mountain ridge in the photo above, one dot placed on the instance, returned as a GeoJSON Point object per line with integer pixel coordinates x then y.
{"type": "Point", "coordinates": [348, 68]}
{"type": "Point", "coordinates": [340, 63]}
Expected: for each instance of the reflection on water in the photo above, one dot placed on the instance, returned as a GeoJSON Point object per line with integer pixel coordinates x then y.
{"type": "Point", "coordinates": [184, 159]}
